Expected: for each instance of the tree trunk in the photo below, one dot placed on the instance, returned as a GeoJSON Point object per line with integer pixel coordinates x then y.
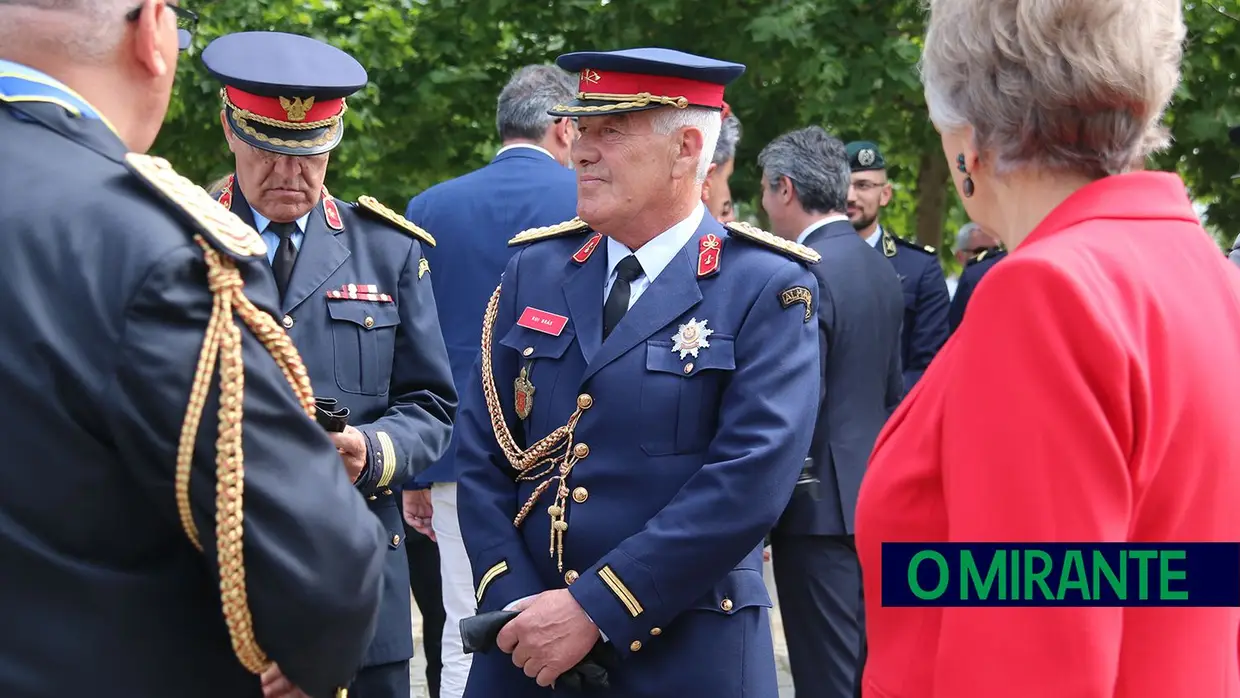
{"type": "Point", "coordinates": [932, 190]}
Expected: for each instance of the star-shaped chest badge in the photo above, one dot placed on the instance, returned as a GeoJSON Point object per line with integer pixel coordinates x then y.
{"type": "Point", "coordinates": [691, 337]}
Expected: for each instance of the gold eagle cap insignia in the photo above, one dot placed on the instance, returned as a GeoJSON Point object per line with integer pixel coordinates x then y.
{"type": "Point", "coordinates": [789, 248]}
{"type": "Point", "coordinates": [369, 203]}
{"type": "Point", "coordinates": [297, 108]}
{"type": "Point", "coordinates": [570, 227]}
{"type": "Point", "coordinates": [221, 226]}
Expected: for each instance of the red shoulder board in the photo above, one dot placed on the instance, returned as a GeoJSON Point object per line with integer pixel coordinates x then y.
{"type": "Point", "coordinates": [587, 249]}
{"type": "Point", "coordinates": [226, 193]}
{"type": "Point", "coordinates": [331, 213]}
{"type": "Point", "coordinates": [708, 255]}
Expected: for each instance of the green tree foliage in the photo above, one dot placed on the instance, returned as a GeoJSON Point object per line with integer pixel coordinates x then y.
{"type": "Point", "coordinates": [436, 67]}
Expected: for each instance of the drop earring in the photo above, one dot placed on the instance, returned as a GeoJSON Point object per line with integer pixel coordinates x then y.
{"type": "Point", "coordinates": [968, 180]}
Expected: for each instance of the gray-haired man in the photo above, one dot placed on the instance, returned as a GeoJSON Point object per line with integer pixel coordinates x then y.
{"type": "Point", "coordinates": [716, 193]}
{"type": "Point", "coordinates": [526, 185]}
{"type": "Point", "coordinates": [806, 179]}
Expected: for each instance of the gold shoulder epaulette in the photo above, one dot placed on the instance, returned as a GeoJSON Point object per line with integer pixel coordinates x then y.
{"type": "Point", "coordinates": [915, 245]}
{"type": "Point", "coordinates": [219, 225]}
{"type": "Point", "coordinates": [369, 203]}
{"type": "Point", "coordinates": [576, 225]}
{"type": "Point", "coordinates": [760, 236]}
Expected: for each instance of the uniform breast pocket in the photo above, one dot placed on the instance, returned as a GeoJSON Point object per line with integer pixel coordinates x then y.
{"type": "Point", "coordinates": [680, 397]}
{"type": "Point", "coordinates": [540, 358]}
{"type": "Point", "coordinates": [364, 340]}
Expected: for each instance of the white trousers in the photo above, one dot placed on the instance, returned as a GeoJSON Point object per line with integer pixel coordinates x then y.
{"type": "Point", "coordinates": [458, 588]}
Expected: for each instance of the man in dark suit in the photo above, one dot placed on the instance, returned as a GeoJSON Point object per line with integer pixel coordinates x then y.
{"type": "Point", "coordinates": [130, 463]}
{"type": "Point", "coordinates": [926, 299]}
{"type": "Point", "coordinates": [355, 293]}
{"type": "Point", "coordinates": [527, 185]}
{"type": "Point", "coordinates": [805, 192]}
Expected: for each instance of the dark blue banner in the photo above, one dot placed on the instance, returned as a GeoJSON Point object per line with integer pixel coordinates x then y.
{"type": "Point", "coordinates": [1061, 574]}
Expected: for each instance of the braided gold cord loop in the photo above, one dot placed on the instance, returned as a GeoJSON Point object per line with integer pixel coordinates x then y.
{"type": "Point", "coordinates": [223, 342]}
{"type": "Point", "coordinates": [555, 451]}
{"type": "Point", "coordinates": [287, 125]}
{"type": "Point", "coordinates": [621, 101]}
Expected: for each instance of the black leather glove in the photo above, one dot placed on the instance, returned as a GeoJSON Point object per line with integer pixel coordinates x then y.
{"type": "Point", "coordinates": [330, 417]}
{"type": "Point", "coordinates": [479, 633]}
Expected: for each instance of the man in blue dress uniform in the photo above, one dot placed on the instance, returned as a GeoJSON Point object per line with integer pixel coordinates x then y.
{"type": "Point", "coordinates": [973, 272]}
{"type": "Point", "coordinates": [642, 407]}
{"type": "Point", "coordinates": [926, 299]}
{"type": "Point", "coordinates": [526, 185]}
{"type": "Point", "coordinates": [153, 401]}
{"type": "Point", "coordinates": [355, 293]}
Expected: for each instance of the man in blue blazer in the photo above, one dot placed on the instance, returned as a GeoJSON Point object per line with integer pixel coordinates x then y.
{"type": "Point", "coordinates": [639, 414]}
{"type": "Point", "coordinates": [806, 179]}
{"type": "Point", "coordinates": [355, 296]}
{"type": "Point", "coordinates": [527, 185]}
{"type": "Point", "coordinates": [926, 299]}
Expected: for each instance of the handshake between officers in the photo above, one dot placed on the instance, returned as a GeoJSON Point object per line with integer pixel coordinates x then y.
{"type": "Point", "coordinates": [641, 411]}
{"type": "Point", "coordinates": [173, 522]}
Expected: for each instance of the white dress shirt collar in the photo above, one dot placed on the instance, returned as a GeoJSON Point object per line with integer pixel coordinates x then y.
{"type": "Point", "coordinates": [659, 252]}
{"type": "Point", "coordinates": [530, 146]}
{"type": "Point", "coordinates": [872, 241]}
{"type": "Point", "coordinates": [833, 218]}
{"type": "Point", "coordinates": [261, 222]}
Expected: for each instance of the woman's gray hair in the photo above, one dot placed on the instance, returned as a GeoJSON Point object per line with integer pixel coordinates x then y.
{"type": "Point", "coordinates": [1065, 85]}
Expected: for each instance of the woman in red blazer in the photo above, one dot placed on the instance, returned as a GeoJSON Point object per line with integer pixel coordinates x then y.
{"type": "Point", "coordinates": [1111, 339]}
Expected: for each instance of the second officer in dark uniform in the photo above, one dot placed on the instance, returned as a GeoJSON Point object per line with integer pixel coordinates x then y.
{"type": "Point", "coordinates": [355, 292]}
{"type": "Point", "coordinates": [152, 403]}
{"type": "Point", "coordinates": [969, 278]}
{"type": "Point", "coordinates": [926, 299]}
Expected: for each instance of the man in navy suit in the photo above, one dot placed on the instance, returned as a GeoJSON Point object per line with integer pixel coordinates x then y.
{"type": "Point", "coordinates": [527, 185]}
{"type": "Point", "coordinates": [806, 179]}
{"type": "Point", "coordinates": [355, 296]}
{"type": "Point", "coordinates": [926, 298]}
{"type": "Point", "coordinates": [638, 416]}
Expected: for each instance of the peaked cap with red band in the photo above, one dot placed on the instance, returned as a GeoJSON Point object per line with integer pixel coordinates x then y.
{"type": "Point", "coordinates": [284, 93]}
{"type": "Point", "coordinates": [637, 79]}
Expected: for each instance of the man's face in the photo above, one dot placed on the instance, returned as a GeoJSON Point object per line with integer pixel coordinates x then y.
{"type": "Point", "coordinates": [622, 166]}
{"type": "Point", "coordinates": [717, 193]}
{"type": "Point", "coordinates": [978, 242]}
{"type": "Point", "coordinates": [869, 192]}
{"type": "Point", "coordinates": [281, 187]}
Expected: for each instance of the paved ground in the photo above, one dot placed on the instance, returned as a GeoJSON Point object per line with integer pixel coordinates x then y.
{"type": "Point", "coordinates": [417, 673]}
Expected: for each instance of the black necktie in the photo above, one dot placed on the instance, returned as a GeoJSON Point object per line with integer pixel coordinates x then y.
{"type": "Point", "coordinates": [627, 271]}
{"type": "Point", "coordinates": [286, 254]}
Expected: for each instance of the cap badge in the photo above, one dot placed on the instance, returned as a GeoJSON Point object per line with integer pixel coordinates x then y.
{"type": "Point", "coordinates": [591, 76]}
{"type": "Point", "coordinates": [296, 108]}
{"type": "Point", "coordinates": [690, 338]}
{"type": "Point", "coordinates": [865, 157]}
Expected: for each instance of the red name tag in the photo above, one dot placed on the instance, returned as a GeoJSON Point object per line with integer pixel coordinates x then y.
{"type": "Point", "coordinates": [542, 321]}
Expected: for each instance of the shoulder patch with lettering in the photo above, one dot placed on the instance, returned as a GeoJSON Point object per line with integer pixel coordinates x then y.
{"type": "Point", "coordinates": [221, 227]}
{"type": "Point", "coordinates": [572, 227]}
{"type": "Point", "coordinates": [797, 251]}
{"type": "Point", "coordinates": [798, 294]}
{"type": "Point", "coordinates": [378, 210]}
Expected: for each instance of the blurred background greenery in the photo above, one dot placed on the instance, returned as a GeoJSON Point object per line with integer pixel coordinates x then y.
{"type": "Point", "coordinates": [436, 68]}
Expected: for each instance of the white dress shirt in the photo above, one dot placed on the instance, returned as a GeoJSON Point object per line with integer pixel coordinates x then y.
{"type": "Point", "coordinates": [273, 241]}
{"type": "Point", "coordinates": [654, 256]}
{"type": "Point", "coordinates": [833, 218]}
{"type": "Point", "coordinates": [872, 241]}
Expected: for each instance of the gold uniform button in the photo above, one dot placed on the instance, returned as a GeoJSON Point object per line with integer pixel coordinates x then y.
{"type": "Point", "coordinates": [372, 498]}
{"type": "Point", "coordinates": [571, 576]}
{"type": "Point", "coordinates": [528, 351]}
{"type": "Point", "coordinates": [287, 321]}
{"type": "Point", "coordinates": [637, 645]}
{"type": "Point", "coordinates": [656, 631]}
{"type": "Point", "coordinates": [387, 493]}
{"type": "Point", "coordinates": [580, 495]}
{"type": "Point", "coordinates": [726, 605]}
{"type": "Point", "coordinates": [581, 450]}
{"type": "Point", "coordinates": [689, 368]}
{"type": "Point", "coordinates": [369, 322]}
{"type": "Point", "coordinates": [585, 401]}
{"type": "Point", "coordinates": [395, 540]}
